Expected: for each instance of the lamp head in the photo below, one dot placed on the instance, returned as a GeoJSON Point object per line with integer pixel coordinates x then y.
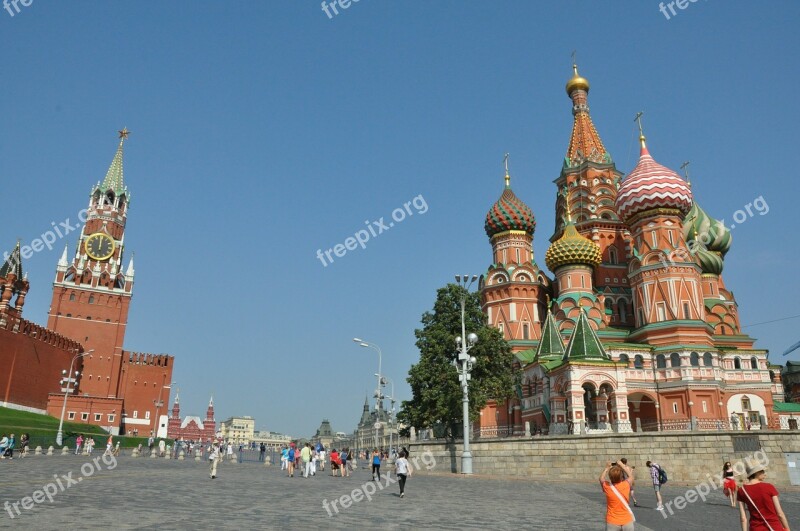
{"type": "Point", "coordinates": [458, 279]}
{"type": "Point", "coordinates": [458, 340]}
{"type": "Point", "coordinates": [472, 338]}
{"type": "Point", "coordinates": [358, 340]}
{"type": "Point", "coordinates": [63, 372]}
{"type": "Point", "coordinates": [363, 344]}
{"type": "Point", "coordinates": [473, 360]}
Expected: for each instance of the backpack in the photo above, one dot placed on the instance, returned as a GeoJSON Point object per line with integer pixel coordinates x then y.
{"type": "Point", "coordinates": [662, 476]}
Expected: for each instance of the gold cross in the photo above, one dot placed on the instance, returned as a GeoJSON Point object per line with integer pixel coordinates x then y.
{"type": "Point", "coordinates": [638, 119]}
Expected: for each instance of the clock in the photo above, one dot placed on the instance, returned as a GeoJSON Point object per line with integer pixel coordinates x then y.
{"type": "Point", "coordinates": [100, 246]}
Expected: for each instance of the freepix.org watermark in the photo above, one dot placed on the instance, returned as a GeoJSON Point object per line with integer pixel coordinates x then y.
{"type": "Point", "coordinates": [49, 237]}
{"type": "Point", "coordinates": [333, 6]}
{"type": "Point", "coordinates": [368, 489]}
{"type": "Point", "coordinates": [60, 484]}
{"type": "Point", "coordinates": [713, 483]}
{"type": "Point", "coordinates": [702, 239]}
{"type": "Point", "coordinates": [12, 6]}
{"type": "Point", "coordinates": [680, 4]}
{"type": "Point", "coordinates": [376, 228]}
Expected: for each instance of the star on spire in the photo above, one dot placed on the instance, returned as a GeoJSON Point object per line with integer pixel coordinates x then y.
{"type": "Point", "coordinates": [123, 133]}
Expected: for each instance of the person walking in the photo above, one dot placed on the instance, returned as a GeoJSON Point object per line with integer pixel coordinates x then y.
{"type": "Point", "coordinates": [761, 500]}
{"type": "Point", "coordinates": [262, 452]}
{"type": "Point", "coordinates": [617, 488]}
{"type": "Point", "coordinates": [623, 463]}
{"type": "Point", "coordinates": [305, 456]}
{"type": "Point", "coordinates": [321, 457]}
{"type": "Point", "coordinates": [403, 471]}
{"type": "Point", "coordinates": [656, 476]}
{"type": "Point", "coordinates": [376, 464]}
{"type": "Point", "coordinates": [109, 446]}
{"type": "Point", "coordinates": [284, 458]}
{"type": "Point", "coordinates": [344, 457]}
{"type": "Point", "coordinates": [213, 459]}
{"type": "Point", "coordinates": [24, 442]}
{"type": "Point", "coordinates": [729, 487]}
{"type": "Point", "coordinates": [290, 463]}
{"type": "Point", "coordinates": [78, 444]}
{"type": "Point", "coordinates": [336, 462]}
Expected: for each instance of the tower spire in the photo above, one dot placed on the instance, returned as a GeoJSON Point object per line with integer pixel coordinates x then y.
{"type": "Point", "coordinates": [585, 143]}
{"type": "Point", "coordinates": [114, 176]}
{"type": "Point", "coordinates": [638, 120]}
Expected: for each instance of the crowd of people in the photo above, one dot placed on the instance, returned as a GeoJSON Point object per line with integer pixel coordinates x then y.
{"type": "Point", "coordinates": [759, 506]}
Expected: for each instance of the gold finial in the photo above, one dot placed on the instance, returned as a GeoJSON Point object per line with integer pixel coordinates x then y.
{"type": "Point", "coordinates": [685, 168]}
{"type": "Point", "coordinates": [638, 119]}
{"type": "Point", "coordinates": [505, 163]}
{"type": "Point", "coordinates": [576, 82]}
{"type": "Point", "coordinates": [123, 134]}
{"type": "Point", "coordinates": [566, 199]}
{"type": "Point", "coordinates": [547, 296]}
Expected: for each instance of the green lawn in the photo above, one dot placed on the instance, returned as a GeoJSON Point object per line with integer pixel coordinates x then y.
{"type": "Point", "coordinates": [43, 429]}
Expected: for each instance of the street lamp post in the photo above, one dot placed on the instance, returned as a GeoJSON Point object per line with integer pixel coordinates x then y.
{"type": "Point", "coordinates": [158, 403]}
{"type": "Point", "coordinates": [384, 379]}
{"type": "Point", "coordinates": [362, 343]}
{"type": "Point", "coordinates": [70, 376]}
{"type": "Point", "coordinates": [467, 362]}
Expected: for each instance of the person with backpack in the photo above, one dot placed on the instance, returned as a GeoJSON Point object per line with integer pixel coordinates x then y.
{"type": "Point", "coordinates": [290, 461]}
{"type": "Point", "coordinates": [659, 478]}
{"type": "Point", "coordinates": [617, 488]}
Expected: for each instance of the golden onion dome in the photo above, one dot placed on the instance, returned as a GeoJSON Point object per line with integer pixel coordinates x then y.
{"type": "Point", "coordinates": [577, 82]}
{"type": "Point", "coordinates": [572, 248]}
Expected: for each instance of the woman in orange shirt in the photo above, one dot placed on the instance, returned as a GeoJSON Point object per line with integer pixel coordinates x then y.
{"type": "Point", "coordinates": [619, 516]}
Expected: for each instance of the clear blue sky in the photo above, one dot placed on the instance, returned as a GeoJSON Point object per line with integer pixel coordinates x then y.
{"type": "Point", "coordinates": [263, 131]}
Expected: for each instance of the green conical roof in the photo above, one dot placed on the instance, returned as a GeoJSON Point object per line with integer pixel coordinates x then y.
{"type": "Point", "coordinates": [13, 264]}
{"type": "Point", "coordinates": [584, 343]}
{"type": "Point", "coordinates": [551, 346]}
{"type": "Point", "coordinates": [114, 179]}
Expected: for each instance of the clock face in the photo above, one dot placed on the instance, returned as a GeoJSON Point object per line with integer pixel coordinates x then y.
{"type": "Point", "coordinates": [100, 246]}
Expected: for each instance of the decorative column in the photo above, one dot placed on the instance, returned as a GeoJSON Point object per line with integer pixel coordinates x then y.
{"type": "Point", "coordinates": [601, 410]}
{"type": "Point", "coordinates": [558, 414]}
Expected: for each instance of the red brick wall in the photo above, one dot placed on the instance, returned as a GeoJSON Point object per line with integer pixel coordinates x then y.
{"type": "Point", "coordinates": [142, 385]}
{"type": "Point", "coordinates": [32, 360]}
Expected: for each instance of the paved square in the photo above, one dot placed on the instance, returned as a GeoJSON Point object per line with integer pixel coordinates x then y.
{"type": "Point", "coordinates": [148, 493]}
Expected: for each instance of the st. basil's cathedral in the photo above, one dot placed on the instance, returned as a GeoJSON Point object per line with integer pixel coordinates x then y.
{"type": "Point", "coordinates": [637, 331]}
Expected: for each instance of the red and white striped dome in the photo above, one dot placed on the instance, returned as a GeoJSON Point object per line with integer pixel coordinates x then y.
{"type": "Point", "coordinates": [651, 185]}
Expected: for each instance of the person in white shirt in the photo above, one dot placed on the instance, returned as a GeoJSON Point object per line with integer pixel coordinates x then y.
{"type": "Point", "coordinates": [403, 470]}
{"type": "Point", "coordinates": [213, 458]}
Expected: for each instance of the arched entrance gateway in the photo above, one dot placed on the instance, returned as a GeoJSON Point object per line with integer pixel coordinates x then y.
{"type": "Point", "coordinates": [643, 412]}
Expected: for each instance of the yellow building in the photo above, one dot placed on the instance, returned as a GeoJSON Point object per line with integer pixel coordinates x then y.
{"type": "Point", "coordinates": [240, 430]}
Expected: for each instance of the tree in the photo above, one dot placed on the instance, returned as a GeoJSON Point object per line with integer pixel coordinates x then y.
{"type": "Point", "coordinates": [434, 380]}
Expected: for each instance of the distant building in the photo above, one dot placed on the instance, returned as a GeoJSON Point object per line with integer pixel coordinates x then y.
{"type": "Point", "coordinates": [272, 439]}
{"type": "Point", "coordinates": [375, 429]}
{"type": "Point", "coordinates": [191, 428]}
{"type": "Point", "coordinates": [324, 434]}
{"type": "Point", "coordinates": [238, 429]}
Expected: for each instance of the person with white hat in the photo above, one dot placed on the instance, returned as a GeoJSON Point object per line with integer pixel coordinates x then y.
{"type": "Point", "coordinates": [761, 500]}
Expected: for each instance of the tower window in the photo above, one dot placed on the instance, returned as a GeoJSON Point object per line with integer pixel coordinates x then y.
{"type": "Point", "coordinates": [612, 255]}
{"type": "Point", "coordinates": [753, 363]}
{"type": "Point", "coordinates": [638, 361]}
{"type": "Point", "coordinates": [737, 363]}
{"type": "Point", "coordinates": [674, 407]}
{"type": "Point", "coordinates": [686, 313]}
{"type": "Point", "coordinates": [71, 297]}
{"type": "Point", "coordinates": [526, 331]}
{"type": "Point", "coordinates": [708, 359]}
{"type": "Point", "coordinates": [694, 359]}
{"type": "Point", "coordinates": [91, 299]}
{"type": "Point", "coordinates": [623, 310]}
{"type": "Point", "coordinates": [661, 310]}
{"type": "Point", "coordinates": [661, 361]}
{"type": "Point", "coordinates": [518, 258]}
{"type": "Point", "coordinates": [675, 359]}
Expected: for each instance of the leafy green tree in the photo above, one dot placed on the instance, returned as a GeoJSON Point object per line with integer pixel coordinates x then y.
{"type": "Point", "coordinates": [434, 380]}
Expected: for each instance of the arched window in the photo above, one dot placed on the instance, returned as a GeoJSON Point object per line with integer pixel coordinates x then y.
{"type": "Point", "coordinates": [638, 361]}
{"type": "Point", "coordinates": [661, 361]}
{"type": "Point", "coordinates": [694, 359]}
{"type": "Point", "coordinates": [71, 297]}
{"type": "Point", "coordinates": [622, 307]}
{"type": "Point", "coordinates": [526, 331]}
{"type": "Point", "coordinates": [745, 403]}
{"type": "Point", "coordinates": [612, 255]}
{"type": "Point", "coordinates": [707, 359]}
{"type": "Point", "coordinates": [753, 363]}
{"type": "Point", "coordinates": [623, 358]}
{"type": "Point", "coordinates": [675, 359]}
{"type": "Point", "coordinates": [91, 299]}
{"type": "Point", "coordinates": [609, 307]}
{"type": "Point", "coordinates": [737, 363]}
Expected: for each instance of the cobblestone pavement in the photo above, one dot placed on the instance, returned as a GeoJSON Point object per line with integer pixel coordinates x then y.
{"type": "Point", "coordinates": [148, 493]}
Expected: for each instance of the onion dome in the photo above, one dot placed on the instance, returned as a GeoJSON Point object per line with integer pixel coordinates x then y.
{"type": "Point", "coordinates": [572, 248]}
{"type": "Point", "coordinates": [650, 186]}
{"type": "Point", "coordinates": [708, 239]}
{"type": "Point", "coordinates": [712, 233]}
{"type": "Point", "coordinates": [577, 82]}
{"type": "Point", "coordinates": [509, 213]}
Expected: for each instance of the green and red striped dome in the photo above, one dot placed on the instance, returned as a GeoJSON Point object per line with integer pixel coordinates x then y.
{"type": "Point", "coordinates": [509, 213]}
